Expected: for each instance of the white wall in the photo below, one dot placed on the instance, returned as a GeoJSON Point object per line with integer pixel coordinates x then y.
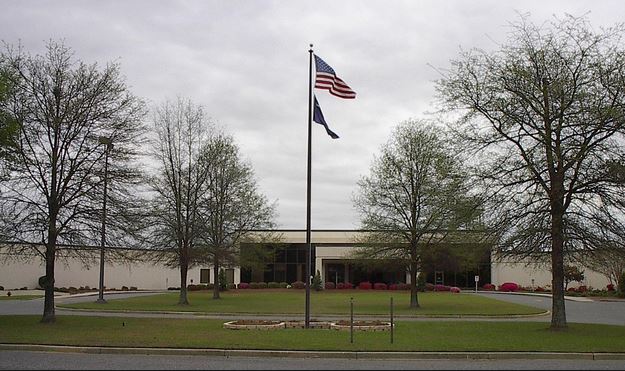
{"type": "Point", "coordinates": [146, 275]}
{"type": "Point", "coordinates": [522, 273]}
{"type": "Point", "coordinates": [72, 272]}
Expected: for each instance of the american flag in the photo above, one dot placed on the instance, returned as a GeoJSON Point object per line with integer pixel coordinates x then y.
{"type": "Point", "coordinates": [327, 79]}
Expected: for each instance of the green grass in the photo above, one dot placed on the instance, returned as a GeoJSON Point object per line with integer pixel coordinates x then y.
{"type": "Point", "coordinates": [322, 303]}
{"type": "Point", "coordinates": [21, 297]}
{"type": "Point", "coordinates": [409, 336]}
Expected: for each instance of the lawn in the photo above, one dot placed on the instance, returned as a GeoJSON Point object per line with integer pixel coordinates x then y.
{"type": "Point", "coordinates": [21, 297]}
{"type": "Point", "coordinates": [322, 303]}
{"type": "Point", "coordinates": [408, 336]}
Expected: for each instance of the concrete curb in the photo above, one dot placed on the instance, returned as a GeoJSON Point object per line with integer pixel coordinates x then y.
{"type": "Point", "coordinates": [315, 354]}
{"type": "Point", "coordinates": [199, 315]}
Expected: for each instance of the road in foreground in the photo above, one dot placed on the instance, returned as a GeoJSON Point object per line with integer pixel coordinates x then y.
{"type": "Point", "coordinates": [20, 360]}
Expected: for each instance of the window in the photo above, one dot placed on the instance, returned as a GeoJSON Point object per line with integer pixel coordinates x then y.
{"type": "Point", "coordinates": [205, 276]}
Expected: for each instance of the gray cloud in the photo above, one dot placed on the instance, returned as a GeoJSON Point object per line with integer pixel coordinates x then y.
{"type": "Point", "coordinates": [246, 62]}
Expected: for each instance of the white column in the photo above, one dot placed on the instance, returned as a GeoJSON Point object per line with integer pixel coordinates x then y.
{"type": "Point", "coordinates": [322, 269]}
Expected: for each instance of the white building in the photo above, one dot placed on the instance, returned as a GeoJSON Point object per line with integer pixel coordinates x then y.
{"type": "Point", "coordinates": [332, 249]}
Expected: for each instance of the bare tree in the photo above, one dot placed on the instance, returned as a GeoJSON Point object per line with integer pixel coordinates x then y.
{"type": "Point", "coordinates": [545, 114]}
{"type": "Point", "coordinates": [608, 262]}
{"type": "Point", "coordinates": [174, 223]}
{"type": "Point", "coordinates": [9, 126]}
{"type": "Point", "coordinates": [608, 255]}
{"type": "Point", "coordinates": [63, 106]}
{"type": "Point", "coordinates": [231, 204]}
{"type": "Point", "coordinates": [414, 197]}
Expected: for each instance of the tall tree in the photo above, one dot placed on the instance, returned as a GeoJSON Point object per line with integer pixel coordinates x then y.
{"type": "Point", "coordinates": [63, 107]}
{"type": "Point", "coordinates": [8, 124]}
{"type": "Point", "coordinates": [545, 114]}
{"type": "Point", "coordinates": [414, 197]}
{"type": "Point", "coordinates": [231, 204]}
{"type": "Point", "coordinates": [174, 223]}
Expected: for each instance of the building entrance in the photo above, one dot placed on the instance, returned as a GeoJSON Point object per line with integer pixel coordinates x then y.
{"type": "Point", "coordinates": [335, 273]}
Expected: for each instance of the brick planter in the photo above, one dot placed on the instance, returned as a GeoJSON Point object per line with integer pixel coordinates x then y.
{"type": "Point", "coordinates": [362, 326]}
{"type": "Point", "coordinates": [254, 325]}
{"type": "Point", "coordinates": [312, 324]}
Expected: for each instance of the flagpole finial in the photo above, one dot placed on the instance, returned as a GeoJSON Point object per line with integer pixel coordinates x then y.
{"type": "Point", "coordinates": [311, 46]}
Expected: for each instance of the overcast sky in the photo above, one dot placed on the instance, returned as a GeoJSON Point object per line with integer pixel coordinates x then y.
{"type": "Point", "coordinates": [246, 63]}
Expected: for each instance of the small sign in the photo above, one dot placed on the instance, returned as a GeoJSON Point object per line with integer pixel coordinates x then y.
{"type": "Point", "coordinates": [477, 278]}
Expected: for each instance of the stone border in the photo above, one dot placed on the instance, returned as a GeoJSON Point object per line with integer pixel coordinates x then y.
{"type": "Point", "coordinates": [362, 326]}
{"type": "Point", "coordinates": [271, 325]}
{"type": "Point", "coordinates": [312, 324]}
{"type": "Point", "coordinates": [276, 325]}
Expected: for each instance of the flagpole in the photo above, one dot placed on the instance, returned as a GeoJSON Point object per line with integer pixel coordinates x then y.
{"type": "Point", "coordinates": [308, 244]}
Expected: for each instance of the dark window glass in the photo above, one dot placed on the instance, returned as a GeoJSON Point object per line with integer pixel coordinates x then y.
{"type": "Point", "coordinates": [280, 255]}
{"type": "Point", "coordinates": [301, 255]}
{"type": "Point", "coordinates": [204, 275]}
{"type": "Point", "coordinates": [280, 273]}
{"type": "Point", "coordinates": [268, 276]}
{"type": "Point", "coordinates": [291, 273]}
{"type": "Point", "coordinates": [246, 275]}
{"type": "Point", "coordinates": [291, 254]}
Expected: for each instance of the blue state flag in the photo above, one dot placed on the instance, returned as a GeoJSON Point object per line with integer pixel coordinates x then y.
{"type": "Point", "coordinates": [318, 118]}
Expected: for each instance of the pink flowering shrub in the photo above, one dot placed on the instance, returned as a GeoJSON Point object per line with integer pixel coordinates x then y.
{"type": "Point", "coordinates": [329, 285]}
{"type": "Point", "coordinates": [380, 286]}
{"type": "Point", "coordinates": [489, 286]}
{"type": "Point", "coordinates": [392, 286]}
{"type": "Point", "coordinates": [455, 290]}
{"type": "Point", "coordinates": [509, 287]}
{"type": "Point", "coordinates": [366, 285]}
{"type": "Point", "coordinates": [439, 287]}
{"type": "Point", "coordinates": [243, 285]}
{"type": "Point", "coordinates": [610, 287]}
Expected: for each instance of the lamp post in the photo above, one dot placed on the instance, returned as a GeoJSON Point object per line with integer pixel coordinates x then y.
{"type": "Point", "coordinates": [109, 145]}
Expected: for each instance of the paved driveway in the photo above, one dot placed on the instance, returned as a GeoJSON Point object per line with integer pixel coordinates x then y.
{"type": "Point", "coordinates": [606, 312]}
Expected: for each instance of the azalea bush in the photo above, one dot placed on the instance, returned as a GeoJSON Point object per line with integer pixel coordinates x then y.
{"type": "Point", "coordinates": [610, 287]}
{"type": "Point", "coordinates": [509, 287]}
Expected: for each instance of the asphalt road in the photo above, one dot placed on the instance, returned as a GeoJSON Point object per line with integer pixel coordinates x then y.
{"type": "Point", "coordinates": [19, 360]}
{"type": "Point", "coordinates": [604, 312]}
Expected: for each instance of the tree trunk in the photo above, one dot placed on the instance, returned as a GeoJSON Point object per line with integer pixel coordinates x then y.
{"type": "Point", "coordinates": [49, 315]}
{"type": "Point", "coordinates": [183, 300]}
{"type": "Point", "coordinates": [216, 279]}
{"type": "Point", "coordinates": [414, 299]}
{"type": "Point", "coordinates": [558, 312]}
